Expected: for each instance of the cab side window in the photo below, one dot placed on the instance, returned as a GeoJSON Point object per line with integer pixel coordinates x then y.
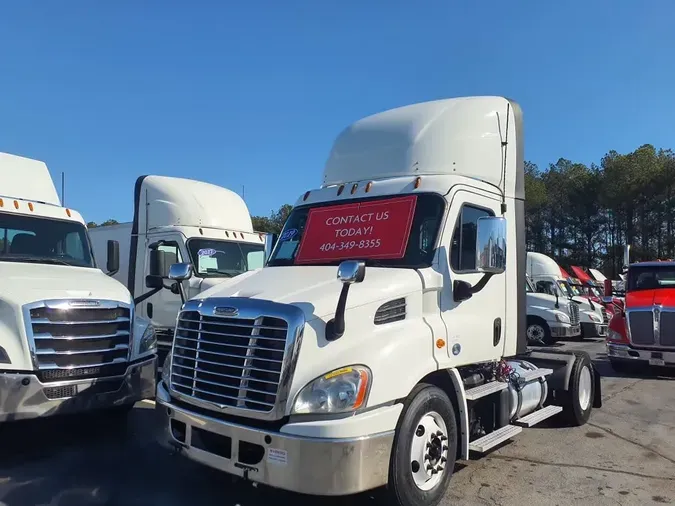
{"type": "Point", "coordinates": [463, 247]}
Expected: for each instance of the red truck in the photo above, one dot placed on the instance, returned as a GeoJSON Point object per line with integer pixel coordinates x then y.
{"type": "Point", "coordinates": [644, 333]}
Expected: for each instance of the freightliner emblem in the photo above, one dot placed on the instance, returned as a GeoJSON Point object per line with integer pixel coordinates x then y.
{"type": "Point", "coordinates": [226, 311]}
{"type": "Point", "coordinates": [84, 303]}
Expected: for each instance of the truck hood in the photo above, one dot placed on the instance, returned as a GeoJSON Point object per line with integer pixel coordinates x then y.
{"type": "Point", "coordinates": [26, 283]}
{"type": "Point", "coordinates": [645, 298]}
{"type": "Point", "coordinates": [546, 301]}
{"type": "Point", "coordinates": [315, 289]}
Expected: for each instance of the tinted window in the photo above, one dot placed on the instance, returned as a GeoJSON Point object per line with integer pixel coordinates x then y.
{"type": "Point", "coordinates": [420, 248]}
{"type": "Point", "coordinates": [225, 259]}
{"type": "Point", "coordinates": [650, 277]}
{"type": "Point", "coordinates": [44, 240]}
{"type": "Point", "coordinates": [463, 248]}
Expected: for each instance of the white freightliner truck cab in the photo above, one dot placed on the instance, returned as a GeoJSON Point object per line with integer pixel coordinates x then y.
{"type": "Point", "coordinates": [545, 274]}
{"type": "Point", "coordinates": [69, 338]}
{"type": "Point", "coordinates": [180, 220]}
{"type": "Point", "coordinates": [385, 337]}
{"type": "Point", "coordinates": [549, 318]}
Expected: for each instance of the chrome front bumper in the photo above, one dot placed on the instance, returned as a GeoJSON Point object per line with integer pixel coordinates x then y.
{"type": "Point", "coordinates": [565, 330]}
{"type": "Point", "coordinates": [315, 466]}
{"type": "Point", "coordinates": [627, 353]}
{"type": "Point", "coordinates": [23, 396]}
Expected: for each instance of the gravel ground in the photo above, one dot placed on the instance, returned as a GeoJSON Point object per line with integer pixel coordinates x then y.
{"type": "Point", "coordinates": [625, 455]}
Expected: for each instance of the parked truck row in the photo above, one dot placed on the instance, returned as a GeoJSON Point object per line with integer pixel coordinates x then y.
{"type": "Point", "coordinates": [382, 338]}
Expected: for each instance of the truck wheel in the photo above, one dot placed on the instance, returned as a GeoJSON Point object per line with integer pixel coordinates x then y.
{"type": "Point", "coordinates": [538, 332]}
{"type": "Point", "coordinates": [425, 447]}
{"type": "Point", "coordinates": [578, 399]}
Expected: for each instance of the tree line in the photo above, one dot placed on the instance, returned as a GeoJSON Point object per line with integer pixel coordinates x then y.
{"type": "Point", "coordinates": [585, 214]}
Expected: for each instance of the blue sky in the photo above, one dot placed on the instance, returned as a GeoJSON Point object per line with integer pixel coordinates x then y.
{"type": "Point", "coordinates": [251, 94]}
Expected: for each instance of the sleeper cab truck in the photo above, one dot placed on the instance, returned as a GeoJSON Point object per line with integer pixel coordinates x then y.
{"type": "Point", "coordinates": [643, 334]}
{"type": "Point", "coordinates": [546, 276]}
{"type": "Point", "coordinates": [69, 338]}
{"type": "Point", "coordinates": [549, 318]}
{"type": "Point", "coordinates": [180, 220]}
{"type": "Point", "coordinates": [385, 337]}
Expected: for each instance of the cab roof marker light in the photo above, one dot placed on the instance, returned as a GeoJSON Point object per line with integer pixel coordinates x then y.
{"type": "Point", "coordinates": [68, 213]}
{"type": "Point", "coordinates": [418, 181]}
{"type": "Point", "coordinates": [306, 195]}
{"type": "Point", "coordinates": [30, 206]}
{"type": "Point", "coordinates": [354, 187]}
{"type": "Point", "coordinates": [16, 204]}
{"type": "Point", "coordinates": [340, 189]}
{"type": "Point", "coordinates": [369, 186]}
{"type": "Point", "coordinates": [2, 203]}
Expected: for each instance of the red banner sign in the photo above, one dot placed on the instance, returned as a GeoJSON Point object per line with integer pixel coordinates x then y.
{"type": "Point", "coordinates": [376, 229]}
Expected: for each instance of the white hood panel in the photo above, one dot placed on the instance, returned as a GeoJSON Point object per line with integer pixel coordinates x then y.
{"type": "Point", "coordinates": [26, 283]}
{"type": "Point", "coordinates": [319, 284]}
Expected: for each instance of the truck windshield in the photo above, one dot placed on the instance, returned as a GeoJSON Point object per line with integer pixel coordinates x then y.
{"type": "Point", "coordinates": [32, 239]}
{"type": "Point", "coordinates": [650, 277]}
{"type": "Point", "coordinates": [213, 258]}
{"type": "Point", "coordinates": [387, 231]}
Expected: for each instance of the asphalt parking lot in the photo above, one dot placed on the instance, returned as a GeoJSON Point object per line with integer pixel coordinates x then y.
{"type": "Point", "coordinates": [625, 455]}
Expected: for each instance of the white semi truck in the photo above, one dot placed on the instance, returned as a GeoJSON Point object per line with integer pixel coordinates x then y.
{"type": "Point", "coordinates": [69, 338]}
{"type": "Point", "coordinates": [386, 336]}
{"type": "Point", "coordinates": [549, 318]}
{"type": "Point", "coordinates": [546, 275]}
{"type": "Point", "coordinates": [180, 220]}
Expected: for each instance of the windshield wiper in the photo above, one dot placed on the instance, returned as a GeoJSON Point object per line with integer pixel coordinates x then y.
{"type": "Point", "coordinates": [213, 271]}
{"type": "Point", "coordinates": [37, 260]}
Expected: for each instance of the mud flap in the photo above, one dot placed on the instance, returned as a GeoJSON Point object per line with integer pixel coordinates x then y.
{"type": "Point", "coordinates": [597, 390]}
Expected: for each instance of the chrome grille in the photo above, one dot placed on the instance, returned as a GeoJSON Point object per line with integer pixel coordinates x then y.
{"type": "Point", "coordinates": [229, 361]}
{"type": "Point", "coordinates": [69, 341]}
{"type": "Point", "coordinates": [641, 326]}
{"type": "Point", "coordinates": [574, 313]}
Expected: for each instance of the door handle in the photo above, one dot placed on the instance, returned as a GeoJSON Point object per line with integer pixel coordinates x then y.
{"type": "Point", "coordinates": [497, 331]}
{"type": "Point", "coordinates": [149, 310]}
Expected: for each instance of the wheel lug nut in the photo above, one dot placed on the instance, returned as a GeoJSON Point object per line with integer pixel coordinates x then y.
{"type": "Point", "coordinates": [428, 445]}
{"type": "Point", "coordinates": [443, 438]}
{"type": "Point", "coordinates": [445, 448]}
{"type": "Point", "coordinates": [444, 460]}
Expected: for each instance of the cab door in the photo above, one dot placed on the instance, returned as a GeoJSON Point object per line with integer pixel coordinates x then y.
{"type": "Point", "coordinates": [475, 326]}
{"type": "Point", "coordinates": [163, 307]}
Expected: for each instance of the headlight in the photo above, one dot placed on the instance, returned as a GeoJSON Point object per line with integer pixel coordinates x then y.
{"type": "Point", "coordinates": [596, 318]}
{"type": "Point", "coordinates": [613, 335]}
{"type": "Point", "coordinates": [562, 317]}
{"type": "Point", "coordinates": [338, 391]}
{"type": "Point", "coordinates": [166, 370]}
{"type": "Point", "coordinates": [148, 340]}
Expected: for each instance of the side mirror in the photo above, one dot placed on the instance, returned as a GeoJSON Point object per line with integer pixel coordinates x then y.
{"type": "Point", "coordinates": [180, 272]}
{"type": "Point", "coordinates": [155, 262]}
{"type": "Point", "coordinates": [491, 245]}
{"type": "Point", "coordinates": [113, 260]}
{"type": "Point", "coordinates": [351, 271]}
{"type": "Point", "coordinates": [608, 288]}
{"type": "Point", "coordinates": [154, 281]}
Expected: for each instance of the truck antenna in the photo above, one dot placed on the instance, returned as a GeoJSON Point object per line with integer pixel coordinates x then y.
{"type": "Point", "coordinates": [243, 192]}
{"type": "Point", "coordinates": [504, 141]}
{"type": "Point", "coordinates": [63, 188]}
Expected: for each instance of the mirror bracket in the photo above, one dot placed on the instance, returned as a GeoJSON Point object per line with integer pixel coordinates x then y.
{"type": "Point", "coordinates": [349, 272]}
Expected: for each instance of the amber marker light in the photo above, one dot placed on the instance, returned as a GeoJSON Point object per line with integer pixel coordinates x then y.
{"type": "Point", "coordinates": [16, 204]}
{"type": "Point", "coordinates": [418, 181]}
{"type": "Point", "coordinates": [30, 206]}
{"type": "Point", "coordinates": [356, 185]}
{"type": "Point", "coordinates": [369, 186]}
{"type": "Point", "coordinates": [440, 343]}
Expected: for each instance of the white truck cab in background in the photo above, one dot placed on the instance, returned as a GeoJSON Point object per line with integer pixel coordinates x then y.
{"type": "Point", "coordinates": [546, 276]}
{"type": "Point", "coordinates": [386, 335]}
{"type": "Point", "coordinates": [180, 220]}
{"type": "Point", "coordinates": [69, 338]}
{"type": "Point", "coordinates": [549, 317]}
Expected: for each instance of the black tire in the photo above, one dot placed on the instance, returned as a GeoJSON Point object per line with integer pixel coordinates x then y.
{"type": "Point", "coordinates": [573, 412]}
{"type": "Point", "coordinates": [401, 489]}
{"type": "Point", "coordinates": [535, 322]}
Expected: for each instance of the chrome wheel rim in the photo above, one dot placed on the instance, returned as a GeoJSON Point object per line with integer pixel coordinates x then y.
{"type": "Point", "coordinates": [535, 333]}
{"type": "Point", "coordinates": [585, 386]}
{"type": "Point", "coordinates": [429, 451]}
